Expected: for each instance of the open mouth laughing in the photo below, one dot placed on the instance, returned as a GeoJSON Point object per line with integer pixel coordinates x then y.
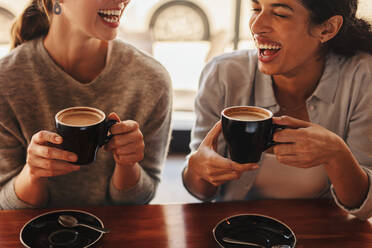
{"type": "Point", "coordinates": [110, 15]}
{"type": "Point", "coordinates": [268, 50]}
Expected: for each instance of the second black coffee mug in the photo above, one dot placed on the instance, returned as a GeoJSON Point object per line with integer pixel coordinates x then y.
{"type": "Point", "coordinates": [84, 130]}
{"type": "Point", "coordinates": [248, 131]}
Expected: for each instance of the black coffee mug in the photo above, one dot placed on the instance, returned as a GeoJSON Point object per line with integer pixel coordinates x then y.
{"type": "Point", "coordinates": [84, 130]}
{"type": "Point", "coordinates": [248, 131]}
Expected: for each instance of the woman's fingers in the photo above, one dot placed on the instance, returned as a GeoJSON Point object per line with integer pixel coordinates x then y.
{"type": "Point", "coordinates": [212, 137]}
{"type": "Point", "coordinates": [43, 137]}
{"type": "Point", "coordinates": [124, 127]}
{"type": "Point", "coordinates": [51, 153]}
{"type": "Point", "coordinates": [130, 148]}
{"type": "Point", "coordinates": [46, 161]}
{"type": "Point", "coordinates": [221, 179]}
{"type": "Point", "coordinates": [127, 144]}
{"type": "Point", "coordinates": [245, 167]}
{"type": "Point", "coordinates": [113, 116]}
{"type": "Point", "coordinates": [217, 161]}
{"type": "Point", "coordinates": [124, 140]}
{"type": "Point", "coordinates": [48, 168]}
{"type": "Point", "coordinates": [290, 122]}
{"type": "Point", "coordinates": [285, 149]}
{"type": "Point", "coordinates": [217, 168]}
{"type": "Point", "coordinates": [40, 172]}
{"type": "Point", "coordinates": [239, 168]}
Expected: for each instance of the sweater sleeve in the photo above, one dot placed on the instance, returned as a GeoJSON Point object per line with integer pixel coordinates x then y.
{"type": "Point", "coordinates": [12, 159]}
{"type": "Point", "coordinates": [156, 132]}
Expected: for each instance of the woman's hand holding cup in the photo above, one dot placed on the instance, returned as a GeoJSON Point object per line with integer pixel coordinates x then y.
{"type": "Point", "coordinates": [44, 160]}
{"type": "Point", "coordinates": [127, 144]}
{"type": "Point", "coordinates": [212, 167]}
{"type": "Point", "coordinates": [306, 144]}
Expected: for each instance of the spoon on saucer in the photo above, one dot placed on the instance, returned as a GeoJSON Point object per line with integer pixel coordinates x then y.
{"type": "Point", "coordinates": [70, 221]}
{"type": "Point", "coordinates": [239, 242]}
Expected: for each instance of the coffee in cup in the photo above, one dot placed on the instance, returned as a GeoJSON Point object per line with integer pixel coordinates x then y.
{"type": "Point", "coordinates": [248, 131]}
{"type": "Point", "coordinates": [84, 130]}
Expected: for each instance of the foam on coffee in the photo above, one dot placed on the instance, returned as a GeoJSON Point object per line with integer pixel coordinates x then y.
{"type": "Point", "coordinates": [80, 118]}
{"type": "Point", "coordinates": [247, 114]}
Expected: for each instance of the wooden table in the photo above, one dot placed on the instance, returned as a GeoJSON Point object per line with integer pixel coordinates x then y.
{"type": "Point", "coordinates": [316, 223]}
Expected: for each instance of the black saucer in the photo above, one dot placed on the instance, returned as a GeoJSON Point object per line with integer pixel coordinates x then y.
{"type": "Point", "coordinates": [255, 229]}
{"type": "Point", "coordinates": [44, 231]}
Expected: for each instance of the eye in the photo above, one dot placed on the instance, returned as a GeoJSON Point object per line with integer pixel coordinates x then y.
{"type": "Point", "coordinates": [279, 15]}
{"type": "Point", "coordinates": [256, 10]}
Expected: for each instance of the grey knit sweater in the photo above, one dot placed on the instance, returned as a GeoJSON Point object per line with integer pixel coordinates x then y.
{"type": "Point", "coordinates": [33, 89]}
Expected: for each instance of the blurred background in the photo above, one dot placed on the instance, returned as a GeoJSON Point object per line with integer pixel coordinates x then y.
{"type": "Point", "coordinates": [183, 35]}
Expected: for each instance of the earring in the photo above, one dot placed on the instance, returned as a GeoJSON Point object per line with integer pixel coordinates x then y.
{"type": "Point", "coordinates": [57, 8]}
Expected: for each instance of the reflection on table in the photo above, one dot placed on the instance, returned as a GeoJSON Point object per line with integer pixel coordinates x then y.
{"type": "Point", "coordinates": [316, 223]}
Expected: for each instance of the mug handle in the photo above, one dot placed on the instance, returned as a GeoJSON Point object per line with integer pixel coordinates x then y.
{"type": "Point", "coordinates": [271, 142]}
{"type": "Point", "coordinates": [108, 125]}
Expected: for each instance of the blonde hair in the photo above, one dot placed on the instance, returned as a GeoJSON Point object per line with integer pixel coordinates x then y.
{"type": "Point", "coordinates": [32, 23]}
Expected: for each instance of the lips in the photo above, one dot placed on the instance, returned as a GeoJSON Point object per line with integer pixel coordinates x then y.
{"type": "Point", "coordinates": [110, 15]}
{"type": "Point", "coordinates": [268, 49]}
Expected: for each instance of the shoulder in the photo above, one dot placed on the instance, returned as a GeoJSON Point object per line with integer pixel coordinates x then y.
{"type": "Point", "coordinates": [359, 63]}
{"type": "Point", "coordinates": [236, 59]}
{"type": "Point", "coordinates": [16, 64]}
{"type": "Point", "coordinates": [139, 63]}
{"type": "Point", "coordinates": [237, 64]}
{"type": "Point", "coordinates": [231, 69]}
{"type": "Point", "coordinates": [18, 57]}
{"type": "Point", "coordinates": [354, 75]}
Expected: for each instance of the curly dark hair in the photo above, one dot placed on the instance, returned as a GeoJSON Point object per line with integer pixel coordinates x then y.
{"type": "Point", "coordinates": [355, 34]}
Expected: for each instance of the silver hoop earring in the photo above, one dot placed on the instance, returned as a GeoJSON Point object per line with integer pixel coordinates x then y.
{"type": "Point", "coordinates": [57, 8]}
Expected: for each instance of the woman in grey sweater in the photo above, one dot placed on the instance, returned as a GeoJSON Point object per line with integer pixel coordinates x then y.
{"type": "Point", "coordinates": [312, 69]}
{"type": "Point", "coordinates": [65, 54]}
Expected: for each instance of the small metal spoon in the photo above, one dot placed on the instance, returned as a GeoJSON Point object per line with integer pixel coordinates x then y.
{"type": "Point", "coordinates": [70, 221]}
{"type": "Point", "coordinates": [239, 242]}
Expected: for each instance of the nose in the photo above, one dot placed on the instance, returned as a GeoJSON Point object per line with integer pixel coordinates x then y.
{"type": "Point", "coordinates": [260, 23]}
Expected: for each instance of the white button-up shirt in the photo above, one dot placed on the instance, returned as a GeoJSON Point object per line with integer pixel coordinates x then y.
{"type": "Point", "coordinates": [342, 103]}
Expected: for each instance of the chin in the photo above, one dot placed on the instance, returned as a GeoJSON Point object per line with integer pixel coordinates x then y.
{"type": "Point", "coordinates": [265, 69]}
{"type": "Point", "coordinates": [107, 37]}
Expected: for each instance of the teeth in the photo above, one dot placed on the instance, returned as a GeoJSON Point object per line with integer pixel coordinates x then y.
{"type": "Point", "coordinates": [111, 12]}
{"type": "Point", "coordinates": [111, 19]}
{"type": "Point", "coordinates": [268, 46]}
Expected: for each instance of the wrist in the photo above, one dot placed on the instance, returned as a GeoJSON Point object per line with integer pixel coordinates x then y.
{"type": "Point", "coordinates": [192, 163]}
{"type": "Point", "coordinates": [31, 178]}
{"type": "Point", "coordinates": [125, 177]}
{"type": "Point", "coordinates": [342, 154]}
{"type": "Point", "coordinates": [30, 189]}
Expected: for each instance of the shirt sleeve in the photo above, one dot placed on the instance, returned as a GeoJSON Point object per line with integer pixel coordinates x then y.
{"type": "Point", "coordinates": [156, 132]}
{"type": "Point", "coordinates": [359, 135]}
{"type": "Point", "coordinates": [364, 210]}
{"type": "Point", "coordinates": [208, 104]}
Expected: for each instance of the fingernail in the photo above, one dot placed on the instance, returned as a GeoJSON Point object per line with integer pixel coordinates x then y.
{"type": "Point", "coordinates": [58, 139]}
{"type": "Point", "coordinates": [72, 158]}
